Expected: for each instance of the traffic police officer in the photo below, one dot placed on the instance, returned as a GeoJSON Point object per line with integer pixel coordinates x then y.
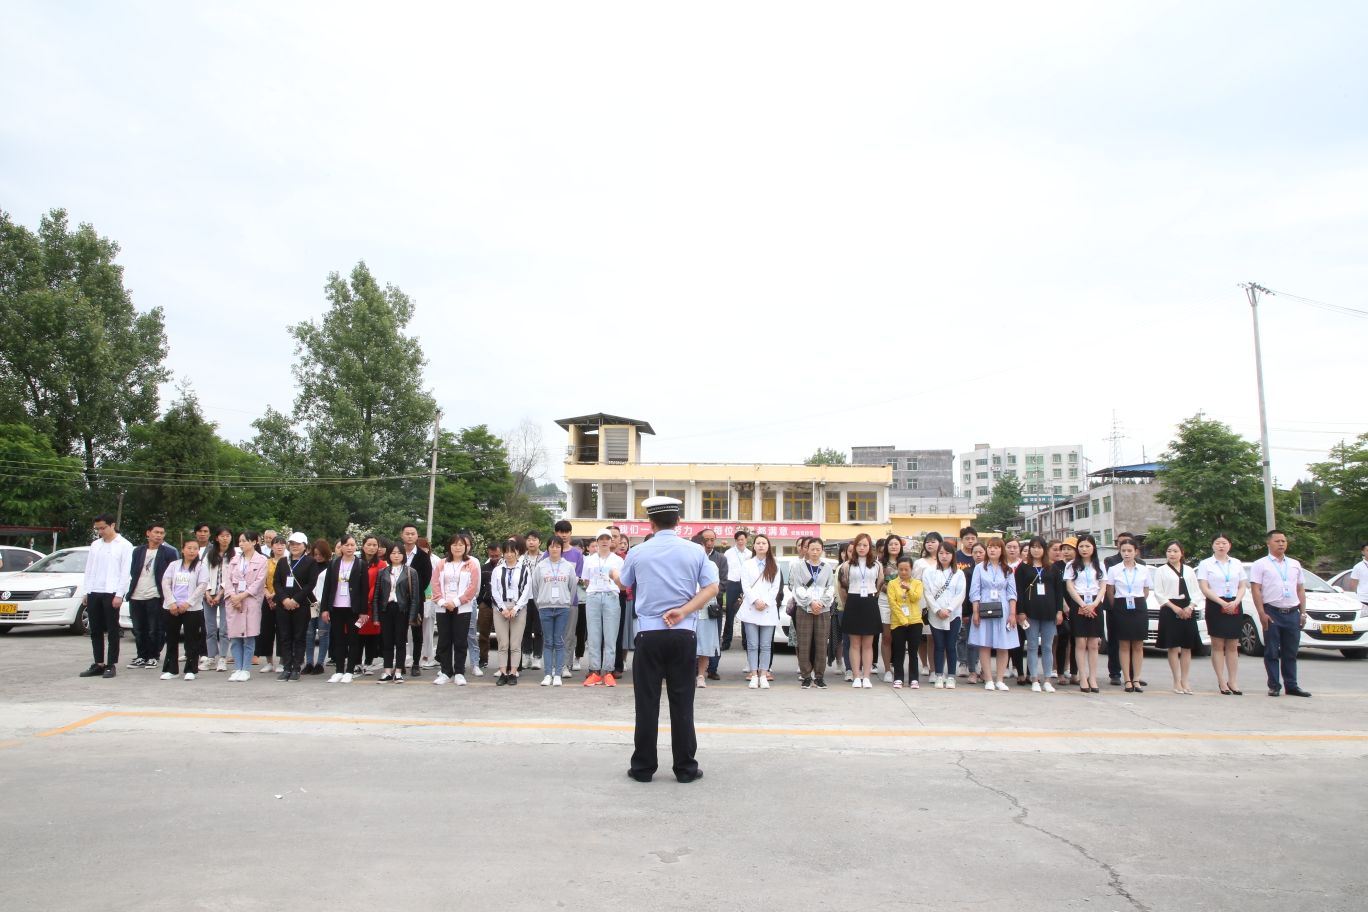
{"type": "Point", "coordinates": [672, 579]}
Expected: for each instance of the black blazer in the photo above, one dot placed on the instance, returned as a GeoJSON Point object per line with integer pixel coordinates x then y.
{"type": "Point", "coordinates": [358, 585]}
{"type": "Point", "coordinates": [306, 577]}
{"type": "Point", "coordinates": [165, 555]}
{"type": "Point", "coordinates": [410, 596]}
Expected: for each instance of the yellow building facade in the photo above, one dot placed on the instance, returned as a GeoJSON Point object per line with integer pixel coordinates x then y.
{"type": "Point", "coordinates": [608, 482]}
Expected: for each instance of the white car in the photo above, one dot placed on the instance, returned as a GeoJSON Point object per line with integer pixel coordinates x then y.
{"type": "Point", "coordinates": [13, 558]}
{"type": "Point", "coordinates": [1334, 620]}
{"type": "Point", "coordinates": [47, 593]}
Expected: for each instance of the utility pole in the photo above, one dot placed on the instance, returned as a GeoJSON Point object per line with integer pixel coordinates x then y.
{"type": "Point", "coordinates": [118, 518]}
{"type": "Point", "coordinates": [1252, 291]}
{"type": "Point", "coordinates": [432, 476]}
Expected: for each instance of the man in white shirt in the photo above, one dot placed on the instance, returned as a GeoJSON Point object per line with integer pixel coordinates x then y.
{"type": "Point", "coordinates": [1280, 598]}
{"type": "Point", "coordinates": [1357, 582]}
{"type": "Point", "coordinates": [736, 555]}
{"type": "Point", "coordinates": [108, 566]}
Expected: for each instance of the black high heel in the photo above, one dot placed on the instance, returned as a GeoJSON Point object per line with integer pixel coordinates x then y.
{"type": "Point", "coordinates": [1238, 693]}
{"type": "Point", "coordinates": [1226, 692]}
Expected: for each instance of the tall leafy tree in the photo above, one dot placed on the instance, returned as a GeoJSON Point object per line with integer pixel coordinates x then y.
{"type": "Point", "coordinates": [171, 473]}
{"type": "Point", "coordinates": [76, 359]}
{"type": "Point", "coordinates": [1003, 508]}
{"type": "Point", "coordinates": [1213, 482]}
{"type": "Point", "coordinates": [38, 487]}
{"type": "Point", "coordinates": [1343, 517]}
{"type": "Point", "coordinates": [826, 456]}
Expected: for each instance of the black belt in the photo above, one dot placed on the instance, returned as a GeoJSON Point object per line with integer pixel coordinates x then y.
{"type": "Point", "coordinates": [1281, 610]}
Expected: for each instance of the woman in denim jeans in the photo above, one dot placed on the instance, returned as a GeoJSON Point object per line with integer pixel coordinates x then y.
{"type": "Point", "coordinates": [942, 597]}
{"type": "Point", "coordinates": [319, 629]}
{"type": "Point", "coordinates": [1040, 611]}
{"type": "Point", "coordinates": [552, 588]}
{"type": "Point", "coordinates": [215, 607]}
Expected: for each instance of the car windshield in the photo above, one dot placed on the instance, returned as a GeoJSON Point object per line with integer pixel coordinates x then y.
{"type": "Point", "coordinates": [61, 562]}
{"type": "Point", "coordinates": [1315, 583]}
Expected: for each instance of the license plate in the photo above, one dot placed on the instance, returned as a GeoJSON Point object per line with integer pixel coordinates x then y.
{"type": "Point", "coordinates": [1325, 628]}
{"type": "Point", "coordinates": [8, 608]}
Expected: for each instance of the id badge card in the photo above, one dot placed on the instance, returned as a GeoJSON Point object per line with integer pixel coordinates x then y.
{"type": "Point", "coordinates": [290, 581]}
{"type": "Point", "coordinates": [556, 595]}
{"type": "Point", "coordinates": [242, 585]}
{"type": "Point", "coordinates": [1130, 603]}
{"type": "Point", "coordinates": [864, 586]}
{"type": "Point", "coordinates": [997, 595]}
{"type": "Point", "coordinates": [1229, 594]}
{"type": "Point", "coordinates": [1040, 588]}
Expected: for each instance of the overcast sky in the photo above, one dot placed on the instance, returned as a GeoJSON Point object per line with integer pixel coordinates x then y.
{"type": "Point", "coordinates": [764, 228]}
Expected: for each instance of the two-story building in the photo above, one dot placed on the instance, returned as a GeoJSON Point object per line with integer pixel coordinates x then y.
{"type": "Point", "coordinates": [607, 483]}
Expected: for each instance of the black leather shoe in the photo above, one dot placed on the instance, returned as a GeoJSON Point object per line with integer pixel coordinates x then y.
{"type": "Point", "coordinates": [294, 676]}
{"type": "Point", "coordinates": [714, 676]}
{"type": "Point", "coordinates": [109, 672]}
{"type": "Point", "coordinates": [284, 675]}
{"type": "Point", "coordinates": [94, 671]}
{"type": "Point", "coordinates": [640, 777]}
{"type": "Point", "coordinates": [1274, 692]}
{"type": "Point", "coordinates": [1297, 692]}
{"type": "Point", "coordinates": [512, 679]}
{"type": "Point", "coordinates": [697, 774]}
{"type": "Point", "coordinates": [503, 679]}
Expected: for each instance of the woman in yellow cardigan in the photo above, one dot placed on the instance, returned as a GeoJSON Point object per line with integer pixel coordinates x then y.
{"type": "Point", "coordinates": [905, 618]}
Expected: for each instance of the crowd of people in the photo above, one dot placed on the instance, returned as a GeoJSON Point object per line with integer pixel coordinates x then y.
{"type": "Point", "coordinates": [960, 609]}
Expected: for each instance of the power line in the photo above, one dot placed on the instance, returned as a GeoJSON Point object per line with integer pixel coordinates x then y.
{"type": "Point", "coordinates": [1333, 308]}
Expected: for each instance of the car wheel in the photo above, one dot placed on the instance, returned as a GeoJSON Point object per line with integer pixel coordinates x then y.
{"type": "Point", "coordinates": [1354, 653]}
{"type": "Point", "coordinates": [1250, 642]}
{"type": "Point", "coordinates": [81, 626]}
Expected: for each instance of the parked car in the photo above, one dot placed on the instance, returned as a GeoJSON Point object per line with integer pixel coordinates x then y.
{"type": "Point", "coordinates": [14, 558]}
{"type": "Point", "coordinates": [46, 593]}
{"type": "Point", "coordinates": [1334, 620]}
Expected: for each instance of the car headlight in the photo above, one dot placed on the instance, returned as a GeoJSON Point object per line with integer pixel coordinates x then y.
{"type": "Point", "coordinates": [60, 592]}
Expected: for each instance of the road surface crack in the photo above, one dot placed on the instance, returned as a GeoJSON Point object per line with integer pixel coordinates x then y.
{"type": "Point", "coordinates": [1114, 880]}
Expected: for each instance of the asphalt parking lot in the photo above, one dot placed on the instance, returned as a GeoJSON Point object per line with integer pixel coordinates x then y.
{"type": "Point", "coordinates": [135, 793]}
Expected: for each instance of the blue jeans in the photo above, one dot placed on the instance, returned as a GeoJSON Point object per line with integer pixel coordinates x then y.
{"type": "Point", "coordinates": [555, 621]}
{"type": "Point", "coordinates": [324, 632]}
{"type": "Point", "coordinates": [603, 612]}
{"type": "Point", "coordinates": [946, 642]}
{"type": "Point", "coordinates": [1040, 634]}
{"type": "Point", "coordinates": [216, 630]}
{"type": "Point", "coordinates": [1280, 648]}
{"type": "Point", "coordinates": [243, 649]}
{"type": "Point", "coordinates": [759, 645]}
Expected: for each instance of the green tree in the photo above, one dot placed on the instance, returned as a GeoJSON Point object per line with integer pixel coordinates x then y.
{"type": "Point", "coordinates": [826, 456]}
{"type": "Point", "coordinates": [1213, 482]}
{"type": "Point", "coordinates": [76, 358]}
{"type": "Point", "coordinates": [39, 487]}
{"type": "Point", "coordinates": [1003, 508]}
{"type": "Point", "coordinates": [1343, 518]}
{"type": "Point", "coordinates": [171, 473]}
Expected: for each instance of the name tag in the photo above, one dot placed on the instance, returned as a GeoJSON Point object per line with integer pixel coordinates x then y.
{"type": "Point", "coordinates": [996, 595]}
{"type": "Point", "coordinates": [1130, 603]}
{"type": "Point", "coordinates": [242, 585]}
{"type": "Point", "coordinates": [556, 595]}
{"type": "Point", "coordinates": [1229, 594]}
{"type": "Point", "coordinates": [290, 581]}
{"type": "Point", "coordinates": [1040, 588]}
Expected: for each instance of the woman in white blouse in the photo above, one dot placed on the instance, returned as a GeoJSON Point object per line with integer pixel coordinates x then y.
{"type": "Point", "coordinates": [1175, 584]}
{"type": "Point", "coordinates": [1223, 582]}
{"type": "Point", "coordinates": [759, 611]}
{"type": "Point", "coordinates": [943, 601]}
{"type": "Point", "coordinates": [1130, 584]}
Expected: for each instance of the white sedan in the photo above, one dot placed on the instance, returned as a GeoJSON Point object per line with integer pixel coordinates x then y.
{"type": "Point", "coordinates": [1334, 620]}
{"type": "Point", "coordinates": [47, 593]}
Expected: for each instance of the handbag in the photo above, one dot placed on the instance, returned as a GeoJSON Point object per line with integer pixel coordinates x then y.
{"type": "Point", "coordinates": [990, 611]}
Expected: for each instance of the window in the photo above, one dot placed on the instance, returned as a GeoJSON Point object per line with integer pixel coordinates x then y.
{"type": "Point", "coordinates": [1073, 489]}
{"type": "Point", "coordinates": [1056, 473]}
{"type": "Point", "coordinates": [1096, 506]}
{"type": "Point", "coordinates": [966, 465]}
{"type": "Point", "coordinates": [913, 465]}
{"type": "Point", "coordinates": [715, 505]}
{"type": "Point", "coordinates": [1010, 473]}
{"type": "Point", "coordinates": [862, 506]}
{"type": "Point", "coordinates": [982, 492]}
{"type": "Point", "coordinates": [833, 506]}
{"type": "Point", "coordinates": [966, 478]}
{"type": "Point", "coordinates": [1034, 489]}
{"type": "Point", "coordinates": [643, 491]}
{"type": "Point", "coordinates": [798, 506]}
{"type": "Point", "coordinates": [1073, 459]}
{"type": "Point", "coordinates": [913, 484]}
{"type": "Point", "coordinates": [981, 475]}
{"type": "Point", "coordinates": [1106, 536]}
{"type": "Point", "coordinates": [997, 460]}
{"type": "Point", "coordinates": [1035, 458]}
{"type": "Point", "coordinates": [1059, 489]}
{"type": "Point", "coordinates": [1073, 473]}
{"type": "Point", "coordinates": [615, 500]}
{"type": "Point", "coordinates": [745, 507]}
{"type": "Point", "coordinates": [1056, 458]}
{"type": "Point", "coordinates": [1081, 511]}
{"type": "Point", "coordinates": [1106, 504]}
{"type": "Point", "coordinates": [1011, 458]}
{"type": "Point", "coordinates": [615, 444]}
{"type": "Point", "coordinates": [767, 513]}
{"type": "Point", "coordinates": [983, 461]}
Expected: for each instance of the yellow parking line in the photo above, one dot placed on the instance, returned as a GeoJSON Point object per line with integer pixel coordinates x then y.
{"type": "Point", "coordinates": [728, 730]}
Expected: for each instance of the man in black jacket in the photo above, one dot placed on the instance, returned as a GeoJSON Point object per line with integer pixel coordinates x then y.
{"type": "Point", "coordinates": [421, 562]}
{"type": "Point", "coordinates": [295, 577]}
{"type": "Point", "coordinates": [144, 595]}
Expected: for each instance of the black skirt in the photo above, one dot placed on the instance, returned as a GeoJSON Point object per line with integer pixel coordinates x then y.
{"type": "Point", "coordinates": [1176, 632]}
{"type": "Point", "coordinates": [861, 617]}
{"type": "Point", "coordinates": [1087, 627]}
{"type": "Point", "coordinates": [1129, 624]}
{"type": "Point", "coordinates": [1223, 626]}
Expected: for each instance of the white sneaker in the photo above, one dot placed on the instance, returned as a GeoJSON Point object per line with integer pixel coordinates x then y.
{"type": "Point", "coordinates": [222, 664]}
{"type": "Point", "coordinates": [265, 667]}
{"type": "Point", "coordinates": [1049, 688]}
{"type": "Point", "coordinates": [166, 676]}
{"type": "Point", "coordinates": [949, 683]}
{"type": "Point", "coordinates": [855, 683]}
{"type": "Point", "coordinates": [441, 679]}
{"type": "Point", "coordinates": [189, 676]}
{"type": "Point", "coordinates": [460, 680]}
{"type": "Point", "coordinates": [204, 663]}
{"type": "Point", "coordinates": [556, 681]}
{"type": "Point", "coordinates": [753, 683]}
{"type": "Point", "coordinates": [546, 681]}
{"type": "Point", "coordinates": [848, 675]}
{"type": "Point", "coordinates": [764, 682]}
{"type": "Point", "coordinates": [989, 686]}
{"type": "Point", "coordinates": [346, 679]}
{"type": "Point", "coordinates": [702, 682]}
{"type": "Point", "coordinates": [575, 666]}
{"type": "Point", "coordinates": [868, 684]}
{"type": "Point", "coordinates": [940, 683]}
{"type": "Point", "coordinates": [1035, 687]}
{"type": "Point", "coordinates": [479, 673]}
{"type": "Point", "coordinates": [336, 678]}
{"type": "Point", "coordinates": [536, 663]}
{"type": "Point", "coordinates": [377, 663]}
{"type": "Point", "coordinates": [427, 663]}
{"type": "Point", "coordinates": [897, 685]}
{"type": "Point", "coordinates": [888, 677]}
{"type": "Point", "coordinates": [1002, 685]}
{"type": "Point", "coordinates": [565, 672]}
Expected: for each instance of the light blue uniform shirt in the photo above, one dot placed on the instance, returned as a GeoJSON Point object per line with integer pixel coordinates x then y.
{"type": "Point", "coordinates": [666, 573]}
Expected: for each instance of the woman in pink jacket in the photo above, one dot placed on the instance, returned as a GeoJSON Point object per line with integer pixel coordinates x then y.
{"type": "Point", "coordinates": [455, 584]}
{"type": "Point", "coordinates": [246, 586]}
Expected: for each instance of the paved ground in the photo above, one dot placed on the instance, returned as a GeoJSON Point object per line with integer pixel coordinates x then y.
{"type": "Point", "coordinates": [142, 794]}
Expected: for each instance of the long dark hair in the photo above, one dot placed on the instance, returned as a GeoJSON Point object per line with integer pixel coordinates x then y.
{"type": "Point", "coordinates": [216, 555]}
{"type": "Point", "coordinates": [871, 559]}
{"type": "Point", "coordinates": [883, 549]}
{"type": "Point", "coordinates": [381, 555]}
{"type": "Point", "coordinates": [771, 567]}
{"type": "Point", "coordinates": [1044, 551]}
{"type": "Point", "coordinates": [1078, 563]}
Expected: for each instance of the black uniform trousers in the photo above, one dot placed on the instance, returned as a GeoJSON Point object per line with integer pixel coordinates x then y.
{"type": "Point", "coordinates": [665, 657]}
{"type": "Point", "coordinates": [532, 635]}
{"type": "Point", "coordinates": [104, 626]}
{"type": "Point", "coordinates": [291, 629]}
{"type": "Point", "coordinates": [346, 640]}
{"type": "Point", "coordinates": [188, 626]}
